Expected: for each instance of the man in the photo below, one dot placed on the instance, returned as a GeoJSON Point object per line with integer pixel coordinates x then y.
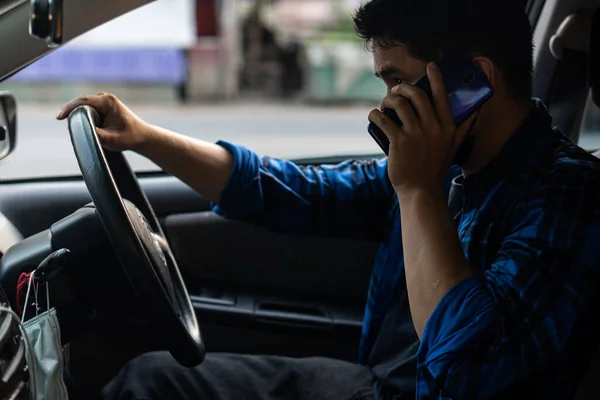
{"type": "Point", "coordinates": [492, 295]}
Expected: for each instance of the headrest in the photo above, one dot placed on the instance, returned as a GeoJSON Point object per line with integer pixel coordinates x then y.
{"type": "Point", "coordinates": [580, 32]}
{"type": "Point", "coordinates": [572, 34]}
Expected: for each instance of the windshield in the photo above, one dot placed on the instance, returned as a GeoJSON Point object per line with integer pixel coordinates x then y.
{"type": "Point", "coordinates": [287, 78]}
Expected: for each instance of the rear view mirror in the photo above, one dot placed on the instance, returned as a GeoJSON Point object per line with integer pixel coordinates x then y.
{"type": "Point", "coordinates": [46, 21]}
{"type": "Point", "coordinates": [8, 125]}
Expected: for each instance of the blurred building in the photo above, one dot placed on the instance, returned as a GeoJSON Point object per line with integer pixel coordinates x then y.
{"type": "Point", "coordinates": [141, 55]}
{"type": "Point", "coordinates": [206, 50]}
{"type": "Point", "coordinates": [320, 54]}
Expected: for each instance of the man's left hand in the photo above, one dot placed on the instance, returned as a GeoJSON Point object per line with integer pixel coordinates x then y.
{"type": "Point", "coordinates": [421, 151]}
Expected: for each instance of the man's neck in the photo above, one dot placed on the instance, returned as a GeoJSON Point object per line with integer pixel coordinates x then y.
{"type": "Point", "coordinates": [490, 141]}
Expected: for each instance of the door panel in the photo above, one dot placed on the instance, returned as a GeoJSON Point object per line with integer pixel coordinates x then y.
{"type": "Point", "coordinates": [246, 277]}
{"type": "Point", "coordinates": [219, 250]}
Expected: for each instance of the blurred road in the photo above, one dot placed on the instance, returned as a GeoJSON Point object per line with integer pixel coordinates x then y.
{"type": "Point", "coordinates": [285, 131]}
{"type": "Point", "coordinates": [44, 148]}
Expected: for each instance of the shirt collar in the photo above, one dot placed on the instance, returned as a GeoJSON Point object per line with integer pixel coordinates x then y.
{"type": "Point", "coordinates": [518, 148]}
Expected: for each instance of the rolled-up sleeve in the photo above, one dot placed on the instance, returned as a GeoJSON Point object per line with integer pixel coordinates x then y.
{"type": "Point", "coordinates": [491, 330]}
{"type": "Point", "coordinates": [350, 199]}
{"type": "Point", "coordinates": [242, 197]}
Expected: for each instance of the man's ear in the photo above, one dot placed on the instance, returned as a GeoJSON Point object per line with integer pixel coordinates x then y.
{"type": "Point", "coordinates": [487, 68]}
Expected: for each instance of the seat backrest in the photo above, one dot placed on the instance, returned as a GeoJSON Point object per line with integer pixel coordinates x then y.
{"type": "Point", "coordinates": [589, 387]}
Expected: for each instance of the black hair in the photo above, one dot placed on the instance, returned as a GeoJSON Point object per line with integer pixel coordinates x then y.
{"type": "Point", "coordinates": [497, 29]}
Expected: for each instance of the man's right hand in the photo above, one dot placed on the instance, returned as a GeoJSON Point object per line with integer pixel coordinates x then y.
{"type": "Point", "coordinates": [122, 129]}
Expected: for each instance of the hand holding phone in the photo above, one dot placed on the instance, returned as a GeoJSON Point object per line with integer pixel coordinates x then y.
{"type": "Point", "coordinates": [468, 90]}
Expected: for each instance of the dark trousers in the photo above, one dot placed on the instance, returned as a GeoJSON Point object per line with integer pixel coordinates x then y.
{"type": "Point", "coordinates": [229, 376]}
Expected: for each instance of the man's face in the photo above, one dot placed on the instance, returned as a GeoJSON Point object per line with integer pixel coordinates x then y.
{"type": "Point", "coordinates": [394, 65]}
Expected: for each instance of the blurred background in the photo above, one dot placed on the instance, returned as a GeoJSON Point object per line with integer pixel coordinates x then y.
{"type": "Point", "coordinates": [190, 51]}
{"type": "Point", "coordinates": [287, 78]}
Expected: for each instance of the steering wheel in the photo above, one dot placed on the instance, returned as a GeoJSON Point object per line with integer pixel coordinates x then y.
{"type": "Point", "coordinates": [137, 238]}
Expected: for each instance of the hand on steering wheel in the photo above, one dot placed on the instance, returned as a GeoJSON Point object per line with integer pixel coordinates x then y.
{"type": "Point", "coordinates": [121, 129]}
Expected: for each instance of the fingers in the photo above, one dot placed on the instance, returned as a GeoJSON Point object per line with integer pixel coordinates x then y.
{"type": "Point", "coordinates": [389, 127]}
{"type": "Point", "coordinates": [102, 102]}
{"type": "Point", "coordinates": [404, 110]}
{"type": "Point", "coordinates": [440, 99]}
{"type": "Point", "coordinates": [441, 102]}
{"type": "Point", "coordinates": [420, 102]}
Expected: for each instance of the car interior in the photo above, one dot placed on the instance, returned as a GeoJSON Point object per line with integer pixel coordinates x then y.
{"type": "Point", "coordinates": [252, 290]}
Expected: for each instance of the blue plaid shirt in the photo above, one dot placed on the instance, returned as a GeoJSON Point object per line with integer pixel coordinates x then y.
{"type": "Point", "coordinates": [525, 325]}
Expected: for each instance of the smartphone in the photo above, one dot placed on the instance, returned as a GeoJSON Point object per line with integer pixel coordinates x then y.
{"type": "Point", "coordinates": [468, 89]}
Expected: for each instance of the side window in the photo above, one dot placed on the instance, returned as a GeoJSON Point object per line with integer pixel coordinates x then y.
{"type": "Point", "coordinates": [256, 73]}
{"type": "Point", "coordinates": [589, 135]}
